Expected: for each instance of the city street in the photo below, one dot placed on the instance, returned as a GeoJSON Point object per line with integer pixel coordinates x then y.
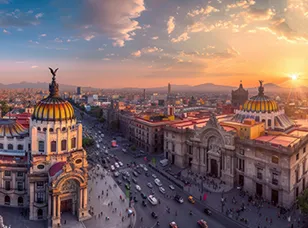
{"type": "Point", "coordinates": [180, 213]}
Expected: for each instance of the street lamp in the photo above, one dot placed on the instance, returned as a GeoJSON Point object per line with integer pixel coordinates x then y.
{"type": "Point", "coordinates": [222, 204]}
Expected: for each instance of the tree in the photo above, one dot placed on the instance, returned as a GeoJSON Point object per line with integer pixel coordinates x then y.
{"type": "Point", "coordinates": [4, 107]}
{"type": "Point", "coordinates": [102, 120]}
{"type": "Point", "coordinates": [86, 142]}
{"type": "Point", "coordinates": [133, 148]}
{"type": "Point", "coordinates": [302, 202]}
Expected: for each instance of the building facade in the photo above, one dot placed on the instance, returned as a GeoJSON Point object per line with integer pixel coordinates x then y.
{"type": "Point", "coordinates": [44, 168]}
{"type": "Point", "coordinates": [268, 163]}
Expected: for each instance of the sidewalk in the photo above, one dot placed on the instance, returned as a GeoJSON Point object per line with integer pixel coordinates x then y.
{"type": "Point", "coordinates": [108, 204]}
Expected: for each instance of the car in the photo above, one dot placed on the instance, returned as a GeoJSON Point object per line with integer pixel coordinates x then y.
{"type": "Point", "coordinates": [142, 165]}
{"type": "Point", "coordinates": [138, 188]}
{"type": "Point", "coordinates": [191, 199]}
{"type": "Point", "coordinates": [157, 182]}
{"type": "Point", "coordinates": [120, 163]}
{"type": "Point", "coordinates": [124, 177]}
{"type": "Point", "coordinates": [171, 187]}
{"type": "Point", "coordinates": [145, 169]}
{"type": "Point", "coordinates": [116, 158]}
{"type": "Point", "coordinates": [154, 215]}
{"type": "Point", "coordinates": [162, 190]}
{"type": "Point", "coordinates": [106, 152]}
{"type": "Point", "coordinates": [154, 176]}
{"type": "Point", "coordinates": [135, 174]}
{"type": "Point", "coordinates": [105, 166]}
{"type": "Point", "coordinates": [147, 174]}
{"type": "Point", "coordinates": [202, 223]}
{"type": "Point", "coordinates": [144, 196]}
{"type": "Point", "coordinates": [179, 199]}
{"type": "Point", "coordinates": [150, 185]}
{"type": "Point", "coordinates": [127, 186]}
{"type": "Point", "coordinates": [104, 161]}
{"type": "Point", "coordinates": [116, 165]}
{"type": "Point", "coordinates": [152, 200]}
{"type": "Point", "coordinates": [124, 150]}
{"type": "Point", "coordinates": [108, 159]}
{"type": "Point", "coordinates": [138, 171]}
{"type": "Point", "coordinates": [119, 182]}
{"type": "Point", "coordinates": [112, 168]}
{"type": "Point", "coordinates": [116, 174]}
{"type": "Point", "coordinates": [173, 225]}
{"type": "Point", "coordinates": [134, 180]}
{"type": "Point", "coordinates": [141, 151]}
{"type": "Point", "coordinates": [135, 199]}
{"type": "Point", "coordinates": [127, 174]}
{"type": "Point", "coordinates": [207, 211]}
{"type": "Point", "coordinates": [144, 203]}
{"type": "Point", "coordinates": [111, 155]}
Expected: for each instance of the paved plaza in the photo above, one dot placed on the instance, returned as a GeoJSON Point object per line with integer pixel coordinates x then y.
{"type": "Point", "coordinates": [105, 202]}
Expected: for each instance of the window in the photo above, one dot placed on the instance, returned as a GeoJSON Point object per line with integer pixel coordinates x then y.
{"type": "Point", "coordinates": [40, 166]}
{"type": "Point", "coordinates": [63, 145]}
{"type": "Point", "coordinates": [41, 146]}
{"type": "Point", "coordinates": [173, 147]}
{"type": "Point", "coordinates": [242, 151]}
{"type": "Point", "coordinates": [1, 145]}
{"type": "Point", "coordinates": [20, 174]}
{"type": "Point", "coordinates": [20, 201]}
{"type": "Point", "coordinates": [7, 200]}
{"type": "Point", "coordinates": [20, 147]}
{"type": "Point", "coordinates": [7, 173]}
{"type": "Point", "coordinates": [39, 129]}
{"type": "Point", "coordinates": [304, 150]}
{"type": "Point", "coordinates": [190, 150]}
{"type": "Point", "coordinates": [297, 156]}
{"type": "Point", "coordinates": [275, 159]}
{"type": "Point", "coordinates": [63, 129]}
{"type": "Point", "coordinates": [40, 184]}
{"type": "Point", "coordinates": [39, 214]}
{"type": "Point", "coordinates": [10, 147]}
{"type": "Point", "coordinates": [241, 164]}
{"type": "Point", "coordinates": [44, 129]}
{"type": "Point", "coordinates": [259, 173]}
{"type": "Point", "coordinates": [304, 167]}
{"type": "Point", "coordinates": [7, 185]}
{"type": "Point", "coordinates": [296, 176]}
{"type": "Point", "coordinates": [50, 129]}
{"type": "Point", "coordinates": [53, 146]}
{"type": "Point", "coordinates": [275, 179]}
{"type": "Point", "coordinates": [40, 197]}
{"type": "Point", "coordinates": [20, 186]}
{"type": "Point", "coordinates": [73, 143]}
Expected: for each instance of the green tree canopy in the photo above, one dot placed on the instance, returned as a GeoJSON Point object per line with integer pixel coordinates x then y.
{"type": "Point", "coordinates": [303, 202]}
{"type": "Point", "coordinates": [86, 142]}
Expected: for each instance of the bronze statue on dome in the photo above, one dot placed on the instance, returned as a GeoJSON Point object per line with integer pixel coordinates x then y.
{"type": "Point", "coordinates": [53, 72]}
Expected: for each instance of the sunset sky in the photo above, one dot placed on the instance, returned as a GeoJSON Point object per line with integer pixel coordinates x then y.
{"type": "Point", "coordinates": [147, 43]}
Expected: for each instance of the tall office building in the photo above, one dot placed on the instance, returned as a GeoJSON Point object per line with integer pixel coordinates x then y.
{"type": "Point", "coordinates": [169, 88]}
{"type": "Point", "coordinates": [79, 90]}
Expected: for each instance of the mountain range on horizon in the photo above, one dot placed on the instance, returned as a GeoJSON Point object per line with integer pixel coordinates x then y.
{"type": "Point", "coordinates": [206, 87]}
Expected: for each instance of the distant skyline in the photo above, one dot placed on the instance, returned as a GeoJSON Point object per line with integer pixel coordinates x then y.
{"type": "Point", "coordinates": [150, 43]}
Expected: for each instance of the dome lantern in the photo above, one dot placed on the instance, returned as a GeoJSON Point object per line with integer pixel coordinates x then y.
{"type": "Point", "coordinates": [53, 108]}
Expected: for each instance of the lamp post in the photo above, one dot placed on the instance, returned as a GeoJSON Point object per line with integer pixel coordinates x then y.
{"type": "Point", "coordinates": [222, 204]}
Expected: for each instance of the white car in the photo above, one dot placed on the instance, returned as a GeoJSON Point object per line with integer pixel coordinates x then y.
{"type": "Point", "coordinates": [112, 168]}
{"type": "Point", "coordinates": [124, 150]}
{"type": "Point", "coordinates": [138, 188]}
{"type": "Point", "coordinates": [145, 169]}
{"type": "Point", "coordinates": [142, 165]}
{"type": "Point", "coordinates": [162, 190]}
{"type": "Point", "coordinates": [120, 163]}
{"type": "Point", "coordinates": [106, 152]}
{"type": "Point", "coordinates": [116, 174]}
{"type": "Point", "coordinates": [152, 200]}
{"type": "Point", "coordinates": [149, 185]}
{"type": "Point", "coordinates": [117, 165]}
{"type": "Point", "coordinates": [157, 182]}
{"type": "Point", "coordinates": [171, 187]}
{"type": "Point", "coordinates": [154, 176]}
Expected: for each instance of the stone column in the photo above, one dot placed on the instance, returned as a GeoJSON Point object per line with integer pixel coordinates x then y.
{"type": "Point", "coordinates": [58, 140]}
{"type": "Point", "coordinates": [49, 206]}
{"type": "Point", "coordinates": [68, 139]}
{"type": "Point", "coordinates": [79, 136]}
{"type": "Point", "coordinates": [85, 198]}
{"type": "Point", "coordinates": [54, 208]}
{"type": "Point", "coordinates": [80, 198]}
{"type": "Point", "coordinates": [31, 193]}
{"type": "Point", "coordinates": [47, 141]}
{"type": "Point", "coordinates": [59, 207]}
{"type": "Point", "coordinates": [209, 164]}
{"type": "Point", "coordinates": [218, 167]}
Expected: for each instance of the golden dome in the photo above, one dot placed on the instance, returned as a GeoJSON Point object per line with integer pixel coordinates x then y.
{"type": "Point", "coordinates": [260, 103]}
{"type": "Point", "coordinates": [53, 108]}
{"type": "Point", "coordinates": [11, 128]}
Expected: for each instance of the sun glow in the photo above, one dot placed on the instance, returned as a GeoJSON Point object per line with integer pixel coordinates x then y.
{"type": "Point", "coordinates": [294, 77]}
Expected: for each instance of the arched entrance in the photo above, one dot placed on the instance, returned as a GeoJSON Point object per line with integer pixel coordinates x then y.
{"type": "Point", "coordinates": [69, 196]}
{"type": "Point", "coordinates": [7, 200]}
{"type": "Point", "coordinates": [20, 201]}
{"type": "Point", "coordinates": [39, 214]}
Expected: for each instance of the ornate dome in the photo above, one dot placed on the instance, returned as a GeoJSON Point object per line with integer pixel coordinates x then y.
{"type": "Point", "coordinates": [260, 103]}
{"type": "Point", "coordinates": [11, 128]}
{"type": "Point", "coordinates": [53, 108]}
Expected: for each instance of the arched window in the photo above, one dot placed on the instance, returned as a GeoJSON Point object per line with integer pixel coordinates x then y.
{"type": "Point", "coordinates": [44, 129]}
{"type": "Point", "coordinates": [39, 129]}
{"type": "Point", "coordinates": [41, 146]}
{"type": "Point", "coordinates": [50, 129]}
{"type": "Point", "coordinates": [1, 145]}
{"type": "Point", "coordinates": [10, 147]}
{"type": "Point", "coordinates": [53, 146]}
{"type": "Point", "coordinates": [73, 143]}
{"type": "Point", "coordinates": [7, 200]}
{"type": "Point", "coordinates": [63, 128]}
{"type": "Point", "coordinates": [39, 214]}
{"type": "Point", "coordinates": [63, 144]}
{"type": "Point", "coordinates": [20, 201]}
{"type": "Point", "coordinates": [20, 147]}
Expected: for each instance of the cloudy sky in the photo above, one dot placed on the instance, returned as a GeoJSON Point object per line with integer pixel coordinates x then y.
{"type": "Point", "coordinates": [146, 43]}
